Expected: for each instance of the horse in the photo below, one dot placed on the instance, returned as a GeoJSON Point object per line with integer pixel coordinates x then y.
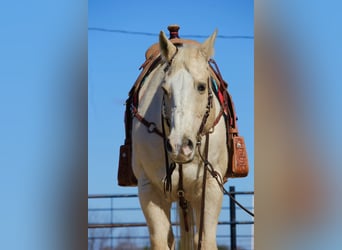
{"type": "Point", "coordinates": [177, 100]}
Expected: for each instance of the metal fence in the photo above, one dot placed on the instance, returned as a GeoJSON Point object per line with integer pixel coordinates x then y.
{"type": "Point", "coordinates": [116, 222]}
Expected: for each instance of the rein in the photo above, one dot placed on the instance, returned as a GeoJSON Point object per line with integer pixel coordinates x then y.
{"type": "Point", "coordinates": [209, 167]}
{"type": "Point", "coordinates": [201, 228]}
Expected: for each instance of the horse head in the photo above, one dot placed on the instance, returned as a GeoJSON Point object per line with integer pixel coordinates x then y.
{"type": "Point", "coordinates": [187, 95]}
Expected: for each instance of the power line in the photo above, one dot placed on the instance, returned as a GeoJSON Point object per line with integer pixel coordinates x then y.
{"type": "Point", "coordinates": [122, 31]}
{"type": "Point", "coordinates": [140, 33]}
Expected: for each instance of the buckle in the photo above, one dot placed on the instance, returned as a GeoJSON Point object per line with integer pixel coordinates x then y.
{"type": "Point", "coordinates": [180, 193]}
{"type": "Point", "coordinates": [151, 127]}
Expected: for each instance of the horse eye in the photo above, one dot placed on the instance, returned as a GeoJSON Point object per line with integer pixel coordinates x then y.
{"type": "Point", "coordinates": [201, 87]}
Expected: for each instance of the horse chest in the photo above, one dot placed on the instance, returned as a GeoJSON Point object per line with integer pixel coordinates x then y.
{"type": "Point", "coordinates": [192, 178]}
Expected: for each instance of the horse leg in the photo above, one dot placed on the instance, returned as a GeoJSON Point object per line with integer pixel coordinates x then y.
{"type": "Point", "coordinates": [213, 203]}
{"type": "Point", "coordinates": [156, 210]}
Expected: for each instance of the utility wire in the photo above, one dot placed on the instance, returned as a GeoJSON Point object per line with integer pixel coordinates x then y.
{"type": "Point", "coordinates": [140, 33]}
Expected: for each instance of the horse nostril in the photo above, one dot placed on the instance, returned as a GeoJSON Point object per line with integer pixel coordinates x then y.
{"type": "Point", "coordinates": [190, 144]}
{"type": "Point", "coordinates": [168, 146]}
{"type": "Point", "coordinates": [187, 147]}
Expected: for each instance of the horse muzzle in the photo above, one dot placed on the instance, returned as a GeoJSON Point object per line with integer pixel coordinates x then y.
{"type": "Point", "coordinates": [180, 151]}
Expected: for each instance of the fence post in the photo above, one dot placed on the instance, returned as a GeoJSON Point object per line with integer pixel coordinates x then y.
{"type": "Point", "coordinates": [111, 221]}
{"type": "Point", "coordinates": [232, 219]}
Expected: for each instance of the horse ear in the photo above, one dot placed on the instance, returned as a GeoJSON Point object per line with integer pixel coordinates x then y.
{"type": "Point", "coordinates": [207, 48]}
{"type": "Point", "coordinates": [167, 48]}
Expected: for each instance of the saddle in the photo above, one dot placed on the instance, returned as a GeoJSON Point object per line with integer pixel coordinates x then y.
{"type": "Point", "coordinates": [238, 162]}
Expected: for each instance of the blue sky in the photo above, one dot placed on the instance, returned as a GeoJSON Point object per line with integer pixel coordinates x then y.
{"type": "Point", "coordinates": [114, 59]}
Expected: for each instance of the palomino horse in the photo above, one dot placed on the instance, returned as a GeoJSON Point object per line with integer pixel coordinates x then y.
{"type": "Point", "coordinates": [176, 98]}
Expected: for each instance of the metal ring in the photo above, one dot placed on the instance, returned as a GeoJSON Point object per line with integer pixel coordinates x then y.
{"type": "Point", "coordinates": [151, 127]}
{"type": "Point", "coordinates": [180, 193]}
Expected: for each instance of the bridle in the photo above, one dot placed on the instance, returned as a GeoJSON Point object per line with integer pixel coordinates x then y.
{"type": "Point", "coordinates": [170, 166]}
{"type": "Point", "coordinates": [201, 132]}
{"type": "Point", "coordinates": [183, 203]}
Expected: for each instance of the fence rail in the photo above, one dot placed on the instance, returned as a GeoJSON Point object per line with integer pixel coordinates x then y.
{"type": "Point", "coordinates": [100, 206]}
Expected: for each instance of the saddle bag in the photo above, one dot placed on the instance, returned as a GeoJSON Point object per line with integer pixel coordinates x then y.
{"type": "Point", "coordinates": [126, 177]}
{"type": "Point", "coordinates": [238, 162]}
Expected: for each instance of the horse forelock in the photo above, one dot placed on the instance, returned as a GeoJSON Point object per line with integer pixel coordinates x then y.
{"type": "Point", "coordinates": [188, 69]}
{"type": "Point", "coordinates": [191, 59]}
